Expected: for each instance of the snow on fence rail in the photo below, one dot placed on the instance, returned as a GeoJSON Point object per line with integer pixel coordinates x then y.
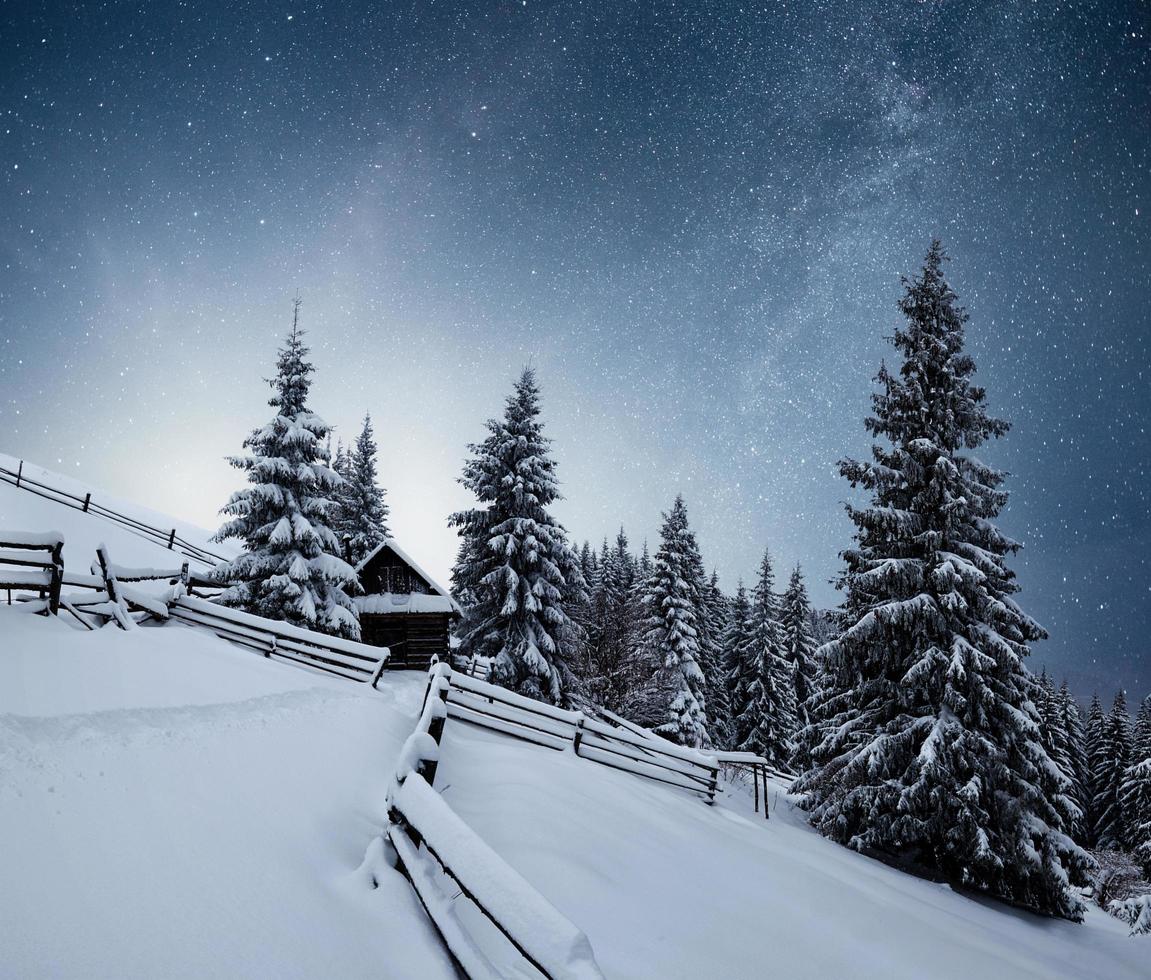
{"type": "Point", "coordinates": [504, 711]}
{"type": "Point", "coordinates": [166, 537]}
{"type": "Point", "coordinates": [432, 844]}
{"type": "Point", "coordinates": [282, 641]}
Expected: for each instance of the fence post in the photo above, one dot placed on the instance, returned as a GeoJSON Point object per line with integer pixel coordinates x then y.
{"type": "Point", "coordinates": [713, 785]}
{"type": "Point", "coordinates": [19, 472]}
{"type": "Point", "coordinates": [109, 580]}
{"type": "Point", "coordinates": [577, 738]}
{"type": "Point", "coordinates": [271, 648]}
{"type": "Point", "coordinates": [87, 501]}
{"type": "Point", "coordinates": [57, 578]}
{"type": "Point", "coordinates": [171, 539]}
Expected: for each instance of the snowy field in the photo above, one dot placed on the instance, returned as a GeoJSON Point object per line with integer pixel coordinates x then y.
{"type": "Point", "coordinates": [174, 806]}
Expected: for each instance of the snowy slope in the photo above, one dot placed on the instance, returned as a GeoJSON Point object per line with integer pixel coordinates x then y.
{"type": "Point", "coordinates": [172, 806]}
{"type": "Point", "coordinates": [21, 510]}
{"type": "Point", "coordinates": [665, 886]}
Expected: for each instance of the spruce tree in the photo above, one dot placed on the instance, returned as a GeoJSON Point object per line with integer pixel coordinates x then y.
{"type": "Point", "coordinates": [799, 645]}
{"type": "Point", "coordinates": [1111, 765]}
{"type": "Point", "coordinates": [671, 638]}
{"type": "Point", "coordinates": [1076, 759]}
{"type": "Point", "coordinates": [933, 752]}
{"type": "Point", "coordinates": [514, 563]}
{"type": "Point", "coordinates": [713, 619]}
{"type": "Point", "coordinates": [1095, 750]}
{"type": "Point", "coordinates": [364, 510]}
{"type": "Point", "coordinates": [1135, 792]}
{"type": "Point", "coordinates": [740, 664]}
{"type": "Point", "coordinates": [771, 712]}
{"type": "Point", "coordinates": [291, 569]}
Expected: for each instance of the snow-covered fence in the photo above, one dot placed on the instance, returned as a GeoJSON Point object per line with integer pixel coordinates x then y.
{"type": "Point", "coordinates": [433, 845]}
{"type": "Point", "coordinates": [112, 598]}
{"type": "Point", "coordinates": [166, 537]}
{"type": "Point", "coordinates": [282, 641]}
{"type": "Point", "coordinates": [748, 763]}
{"type": "Point", "coordinates": [512, 714]}
{"type": "Point", "coordinates": [32, 563]}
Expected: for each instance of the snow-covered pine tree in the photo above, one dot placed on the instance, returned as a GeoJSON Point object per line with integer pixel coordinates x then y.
{"type": "Point", "coordinates": [771, 711]}
{"type": "Point", "coordinates": [614, 624]}
{"type": "Point", "coordinates": [739, 662]}
{"type": "Point", "coordinates": [579, 609]}
{"type": "Point", "coordinates": [713, 618]}
{"type": "Point", "coordinates": [1110, 818]}
{"type": "Point", "coordinates": [1135, 793]}
{"type": "Point", "coordinates": [1095, 749]}
{"type": "Point", "coordinates": [515, 563]}
{"type": "Point", "coordinates": [1076, 758]}
{"type": "Point", "coordinates": [365, 512]}
{"type": "Point", "coordinates": [291, 569]}
{"type": "Point", "coordinates": [799, 646]}
{"type": "Point", "coordinates": [933, 752]}
{"type": "Point", "coordinates": [671, 637]}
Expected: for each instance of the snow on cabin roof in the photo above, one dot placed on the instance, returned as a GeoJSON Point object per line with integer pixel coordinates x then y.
{"type": "Point", "coordinates": [441, 592]}
{"type": "Point", "coordinates": [388, 603]}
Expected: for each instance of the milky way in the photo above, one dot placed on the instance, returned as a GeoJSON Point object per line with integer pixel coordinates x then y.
{"type": "Point", "coordinates": [692, 218]}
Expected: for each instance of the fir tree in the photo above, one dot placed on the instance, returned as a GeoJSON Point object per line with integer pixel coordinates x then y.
{"type": "Point", "coordinates": [713, 619]}
{"type": "Point", "coordinates": [1095, 750]}
{"type": "Point", "coordinates": [1111, 765]}
{"type": "Point", "coordinates": [799, 646]}
{"type": "Point", "coordinates": [771, 712]}
{"type": "Point", "coordinates": [740, 665]}
{"type": "Point", "coordinates": [671, 639]}
{"type": "Point", "coordinates": [933, 751]}
{"type": "Point", "coordinates": [1076, 755]}
{"type": "Point", "coordinates": [1135, 792]}
{"type": "Point", "coordinates": [364, 511]}
{"type": "Point", "coordinates": [291, 569]}
{"type": "Point", "coordinates": [514, 563]}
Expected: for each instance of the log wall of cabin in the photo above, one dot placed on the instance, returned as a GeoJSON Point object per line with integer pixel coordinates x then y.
{"type": "Point", "coordinates": [413, 637]}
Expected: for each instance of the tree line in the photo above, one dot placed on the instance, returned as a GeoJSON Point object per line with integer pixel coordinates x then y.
{"type": "Point", "coordinates": [914, 725]}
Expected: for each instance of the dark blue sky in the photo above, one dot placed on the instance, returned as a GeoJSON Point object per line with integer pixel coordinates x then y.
{"type": "Point", "coordinates": [690, 217]}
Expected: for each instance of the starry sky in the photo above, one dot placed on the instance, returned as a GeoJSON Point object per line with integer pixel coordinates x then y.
{"type": "Point", "coordinates": [690, 217]}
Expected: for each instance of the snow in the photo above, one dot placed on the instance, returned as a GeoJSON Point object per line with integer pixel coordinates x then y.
{"type": "Point", "coordinates": [175, 807]}
{"type": "Point", "coordinates": [395, 603]}
{"type": "Point", "coordinates": [40, 521]}
{"type": "Point", "coordinates": [665, 886]}
{"type": "Point", "coordinates": [26, 539]}
{"type": "Point", "coordinates": [546, 935]}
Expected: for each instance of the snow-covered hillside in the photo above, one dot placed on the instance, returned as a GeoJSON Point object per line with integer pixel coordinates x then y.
{"type": "Point", "coordinates": [22, 510]}
{"type": "Point", "coordinates": [175, 806]}
{"type": "Point", "coordinates": [172, 805]}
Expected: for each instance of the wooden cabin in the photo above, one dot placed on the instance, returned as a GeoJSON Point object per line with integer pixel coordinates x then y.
{"type": "Point", "coordinates": [403, 608]}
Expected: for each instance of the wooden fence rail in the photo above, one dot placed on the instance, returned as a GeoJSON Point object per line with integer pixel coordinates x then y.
{"type": "Point", "coordinates": [281, 641]}
{"type": "Point", "coordinates": [508, 713]}
{"type": "Point", "coordinates": [165, 537]}
{"type": "Point", "coordinates": [432, 844]}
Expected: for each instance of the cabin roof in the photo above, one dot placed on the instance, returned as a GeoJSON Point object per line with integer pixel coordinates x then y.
{"type": "Point", "coordinates": [440, 592]}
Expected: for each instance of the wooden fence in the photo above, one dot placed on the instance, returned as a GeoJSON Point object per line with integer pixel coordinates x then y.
{"type": "Point", "coordinates": [504, 711]}
{"type": "Point", "coordinates": [32, 563]}
{"type": "Point", "coordinates": [433, 846]}
{"type": "Point", "coordinates": [281, 641]}
{"type": "Point", "coordinates": [166, 537]}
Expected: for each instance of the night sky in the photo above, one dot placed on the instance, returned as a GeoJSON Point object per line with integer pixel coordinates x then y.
{"type": "Point", "coordinates": [691, 218]}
